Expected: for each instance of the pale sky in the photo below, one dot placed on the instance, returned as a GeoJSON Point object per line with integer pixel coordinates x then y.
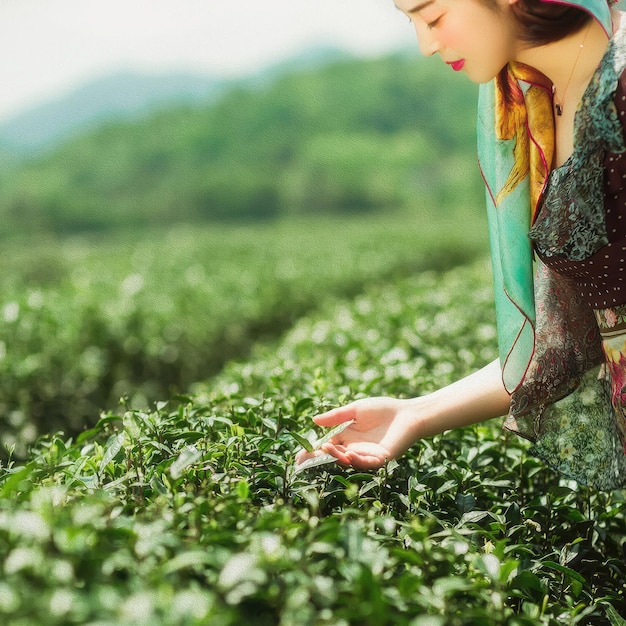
{"type": "Point", "coordinates": [48, 47]}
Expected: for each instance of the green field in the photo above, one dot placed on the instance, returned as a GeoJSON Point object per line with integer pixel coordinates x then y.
{"type": "Point", "coordinates": [190, 511]}
{"type": "Point", "coordinates": [87, 321]}
{"type": "Point", "coordinates": [182, 293]}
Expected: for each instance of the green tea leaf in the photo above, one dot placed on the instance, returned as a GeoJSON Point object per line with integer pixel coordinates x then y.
{"type": "Point", "coordinates": [564, 570]}
{"type": "Point", "coordinates": [187, 457]}
{"type": "Point", "coordinates": [114, 445]}
{"type": "Point", "coordinates": [613, 616]}
{"type": "Point", "coordinates": [305, 443]}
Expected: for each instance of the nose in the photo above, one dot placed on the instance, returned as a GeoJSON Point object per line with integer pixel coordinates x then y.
{"type": "Point", "coordinates": [426, 40]}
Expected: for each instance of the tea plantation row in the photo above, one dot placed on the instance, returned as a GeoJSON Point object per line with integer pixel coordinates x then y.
{"type": "Point", "coordinates": [84, 323]}
{"type": "Point", "coordinates": [194, 513]}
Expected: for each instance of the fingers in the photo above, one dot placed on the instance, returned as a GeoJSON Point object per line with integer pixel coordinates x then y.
{"type": "Point", "coordinates": [302, 455]}
{"type": "Point", "coordinates": [338, 451]}
{"type": "Point", "coordinates": [365, 461]}
{"type": "Point", "coordinates": [366, 456]}
{"type": "Point", "coordinates": [337, 416]}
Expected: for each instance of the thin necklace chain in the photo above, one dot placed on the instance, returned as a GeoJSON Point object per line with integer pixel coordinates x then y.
{"type": "Point", "coordinates": [558, 106]}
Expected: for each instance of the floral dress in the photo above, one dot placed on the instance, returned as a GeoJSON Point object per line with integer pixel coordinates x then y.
{"type": "Point", "coordinates": [572, 401]}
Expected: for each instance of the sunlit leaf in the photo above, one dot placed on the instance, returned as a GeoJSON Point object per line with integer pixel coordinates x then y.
{"type": "Point", "coordinates": [305, 443]}
{"type": "Point", "coordinates": [112, 449]}
{"type": "Point", "coordinates": [187, 457]}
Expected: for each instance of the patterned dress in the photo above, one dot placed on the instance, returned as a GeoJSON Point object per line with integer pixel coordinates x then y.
{"type": "Point", "coordinates": [572, 401]}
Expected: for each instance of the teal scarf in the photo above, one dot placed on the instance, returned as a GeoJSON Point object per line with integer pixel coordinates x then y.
{"type": "Point", "coordinates": [515, 151]}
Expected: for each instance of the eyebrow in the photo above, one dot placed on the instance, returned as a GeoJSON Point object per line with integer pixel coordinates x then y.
{"type": "Point", "coordinates": [418, 7]}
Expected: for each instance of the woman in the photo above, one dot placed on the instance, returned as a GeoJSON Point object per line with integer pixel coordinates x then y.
{"type": "Point", "coordinates": [551, 142]}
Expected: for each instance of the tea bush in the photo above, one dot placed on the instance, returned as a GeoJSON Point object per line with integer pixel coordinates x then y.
{"type": "Point", "coordinates": [84, 322]}
{"type": "Point", "coordinates": [194, 513]}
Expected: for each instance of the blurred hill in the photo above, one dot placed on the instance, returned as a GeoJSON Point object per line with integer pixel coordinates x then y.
{"type": "Point", "coordinates": [125, 95]}
{"type": "Point", "coordinates": [323, 134]}
{"type": "Point", "coordinates": [115, 96]}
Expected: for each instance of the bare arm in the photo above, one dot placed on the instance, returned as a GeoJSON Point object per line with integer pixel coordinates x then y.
{"type": "Point", "coordinates": [385, 428]}
{"type": "Point", "coordinates": [475, 398]}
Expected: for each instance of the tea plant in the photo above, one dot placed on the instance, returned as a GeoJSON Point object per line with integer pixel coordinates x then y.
{"type": "Point", "coordinates": [193, 513]}
{"type": "Point", "coordinates": [86, 322]}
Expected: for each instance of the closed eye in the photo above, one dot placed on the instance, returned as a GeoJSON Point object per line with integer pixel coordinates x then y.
{"type": "Point", "coordinates": [434, 23]}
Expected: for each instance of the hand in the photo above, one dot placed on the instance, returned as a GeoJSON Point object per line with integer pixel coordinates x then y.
{"type": "Point", "coordinates": [383, 429]}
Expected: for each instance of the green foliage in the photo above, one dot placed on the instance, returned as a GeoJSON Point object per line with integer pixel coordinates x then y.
{"type": "Point", "coordinates": [192, 511]}
{"type": "Point", "coordinates": [352, 137]}
{"type": "Point", "coordinates": [85, 322]}
{"type": "Point", "coordinates": [193, 514]}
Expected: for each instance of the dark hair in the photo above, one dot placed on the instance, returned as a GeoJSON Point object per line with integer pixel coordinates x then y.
{"type": "Point", "coordinates": [544, 22]}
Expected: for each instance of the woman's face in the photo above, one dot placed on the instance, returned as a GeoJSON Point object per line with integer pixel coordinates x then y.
{"type": "Point", "coordinates": [468, 35]}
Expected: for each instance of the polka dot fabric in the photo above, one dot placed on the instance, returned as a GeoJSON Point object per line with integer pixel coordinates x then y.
{"type": "Point", "coordinates": [600, 278]}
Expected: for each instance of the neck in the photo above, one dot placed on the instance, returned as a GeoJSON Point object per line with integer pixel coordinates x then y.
{"type": "Point", "coordinates": [564, 63]}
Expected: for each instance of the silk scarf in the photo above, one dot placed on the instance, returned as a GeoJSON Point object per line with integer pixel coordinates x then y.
{"type": "Point", "coordinates": [515, 152]}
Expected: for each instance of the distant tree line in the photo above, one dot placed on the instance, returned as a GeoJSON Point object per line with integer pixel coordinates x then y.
{"type": "Point", "coordinates": [354, 136]}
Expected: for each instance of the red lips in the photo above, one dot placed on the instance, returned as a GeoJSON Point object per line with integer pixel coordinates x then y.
{"type": "Point", "coordinates": [457, 66]}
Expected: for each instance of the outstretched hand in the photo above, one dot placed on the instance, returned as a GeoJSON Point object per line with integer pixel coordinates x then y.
{"type": "Point", "coordinates": [382, 429]}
